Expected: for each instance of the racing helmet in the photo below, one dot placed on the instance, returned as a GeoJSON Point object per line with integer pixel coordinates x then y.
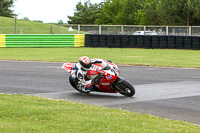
{"type": "Point", "coordinates": [85, 62]}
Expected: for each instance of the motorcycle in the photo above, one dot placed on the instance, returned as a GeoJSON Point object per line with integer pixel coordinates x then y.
{"type": "Point", "coordinates": [103, 80]}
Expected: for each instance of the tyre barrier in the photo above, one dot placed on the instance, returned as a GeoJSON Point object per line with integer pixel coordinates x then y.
{"type": "Point", "coordinates": [195, 42]}
{"type": "Point", "coordinates": [155, 42]}
{"type": "Point", "coordinates": [187, 43]}
{"type": "Point", "coordinates": [102, 41]}
{"type": "Point", "coordinates": [125, 41]}
{"type": "Point", "coordinates": [42, 40]}
{"type": "Point", "coordinates": [110, 41]}
{"type": "Point", "coordinates": [179, 41]}
{"type": "Point", "coordinates": [141, 41]}
{"type": "Point", "coordinates": [132, 41]}
{"type": "Point", "coordinates": [171, 42]}
{"type": "Point", "coordinates": [117, 41]}
{"type": "Point", "coordinates": [163, 42]}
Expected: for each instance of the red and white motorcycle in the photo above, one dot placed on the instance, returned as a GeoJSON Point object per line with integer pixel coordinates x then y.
{"type": "Point", "coordinates": [103, 80]}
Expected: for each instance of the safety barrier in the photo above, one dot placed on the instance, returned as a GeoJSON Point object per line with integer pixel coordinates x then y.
{"type": "Point", "coordinates": [141, 41]}
{"type": "Point", "coordinates": [93, 40]}
{"type": "Point", "coordinates": [42, 40]}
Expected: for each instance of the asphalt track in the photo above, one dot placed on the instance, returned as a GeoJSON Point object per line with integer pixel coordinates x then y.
{"type": "Point", "coordinates": [172, 93]}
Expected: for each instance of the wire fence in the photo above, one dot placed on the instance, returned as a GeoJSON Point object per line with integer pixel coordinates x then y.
{"type": "Point", "coordinates": [103, 29]}
{"type": "Point", "coordinates": [130, 29]}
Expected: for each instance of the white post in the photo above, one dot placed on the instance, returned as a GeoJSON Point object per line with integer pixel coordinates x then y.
{"type": "Point", "coordinates": [99, 29]}
{"type": "Point", "coordinates": [79, 29]}
{"type": "Point", "coordinates": [51, 30]}
{"type": "Point", "coordinates": [15, 17]}
{"type": "Point", "coordinates": [144, 28]}
{"type": "Point", "coordinates": [122, 29]}
{"type": "Point", "coordinates": [57, 28]}
{"type": "Point", "coordinates": [190, 30]}
{"type": "Point", "coordinates": [167, 30]}
{"type": "Point", "coordinates": [20, 30]}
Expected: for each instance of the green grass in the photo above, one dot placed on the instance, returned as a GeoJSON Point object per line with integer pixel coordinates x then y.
{"type": "Point", "coordinates": [125, 56]}
{"type": "Point", "coordinates": [29, 27]}
{"type": "Point", "coordinates": [33, 114]}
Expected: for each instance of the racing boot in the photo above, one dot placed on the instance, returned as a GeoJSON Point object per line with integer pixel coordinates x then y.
{"type": "Point", "coordinates": [88, 88]}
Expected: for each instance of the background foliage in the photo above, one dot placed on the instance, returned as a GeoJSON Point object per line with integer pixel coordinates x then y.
{"type": "Point", "coordinates": [84, 14]}
{"type": "Point", "coordinates": [142, 12]}
{"type": "Point", "coordinates": [5, 6]}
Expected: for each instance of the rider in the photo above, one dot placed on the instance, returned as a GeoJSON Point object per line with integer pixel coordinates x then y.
{"type": "Point", "coordinates": [86, 64]}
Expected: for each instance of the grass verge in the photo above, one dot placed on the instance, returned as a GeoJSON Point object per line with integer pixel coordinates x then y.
{"type": "Point", "coordinates": [30, 27]}
{"type": "Point", "coordinates": [125, 56]}
{"type": "Point", "coordinates": [33, 114]}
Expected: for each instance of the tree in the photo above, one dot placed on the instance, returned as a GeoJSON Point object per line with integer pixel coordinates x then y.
{"type": "Point", "coordinates": [170, 12]}
{"type": "Point", "coordinates": [131, 8]}
{"type": "Point", "coordinates": [142, 12]}
{"type": "Point", "coordinates": [5, 6]}
{"type": "Point", "coordinates": [25, 18]}
{"type": "Point", "coordinates": [118, 12]}
{"type": "Point", "coordinates": [106, 13]}
{"type": "Point", "coordinates": [60, 22]}
{"type": "Point", "coordinates": [84, 14]}
{"type": "Point", "coordinates": [111, 12]}
{"type": "Point", "coordinates": [191, 13]}
{"type": "Point", "coordinates": [147, 14]}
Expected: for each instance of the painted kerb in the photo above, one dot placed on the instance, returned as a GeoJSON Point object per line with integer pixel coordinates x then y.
{"type": "Point", "coordinates": [2, 41]}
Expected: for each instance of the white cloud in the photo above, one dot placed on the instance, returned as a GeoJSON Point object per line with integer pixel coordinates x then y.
{"type": "Point", "coordinates": [46, 10]}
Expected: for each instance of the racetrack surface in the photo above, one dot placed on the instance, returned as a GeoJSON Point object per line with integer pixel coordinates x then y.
{"type": "Point", "coordinates": [172, 93]}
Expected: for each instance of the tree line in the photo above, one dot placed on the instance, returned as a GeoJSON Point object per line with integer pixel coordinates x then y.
{"type": "Point", "coordinates": [138, 12]}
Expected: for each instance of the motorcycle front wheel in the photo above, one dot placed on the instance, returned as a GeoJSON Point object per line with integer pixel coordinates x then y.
{"type": "Point", "coordinates": [74, 85]}
{"type": "Point", "coordinates": [126, 89]}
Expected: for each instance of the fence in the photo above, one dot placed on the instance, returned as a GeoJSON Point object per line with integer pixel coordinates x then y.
{"type": "Point", "coordinates": [42, 40]}
{"type": "Point", "coordinates": [130, 29]}
{"type": "Point", "coordinates": [103, 29]}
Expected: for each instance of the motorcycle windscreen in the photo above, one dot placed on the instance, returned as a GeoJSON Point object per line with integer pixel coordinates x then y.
{"type": "Point", "coordinates": [68, 66]}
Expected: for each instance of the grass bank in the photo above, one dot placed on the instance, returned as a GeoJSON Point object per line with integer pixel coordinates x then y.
{"type": "Point", "coordinates": [125, 56]}
{"type": "Point", "coordinates": [7, 26]}
{"type": "Point", "coordinates": [32, 114]}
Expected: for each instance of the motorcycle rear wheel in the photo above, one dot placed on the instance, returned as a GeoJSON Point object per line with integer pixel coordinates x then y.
{"type": "Point", "coordinates": [126, 89]}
